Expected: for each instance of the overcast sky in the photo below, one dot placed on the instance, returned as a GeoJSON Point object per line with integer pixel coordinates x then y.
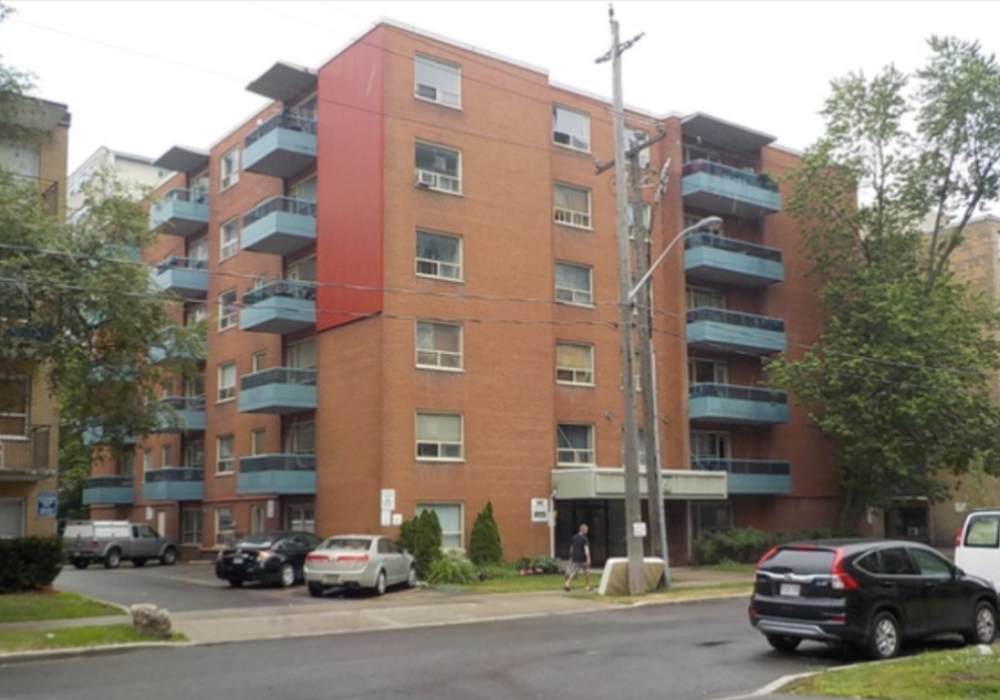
{"type": "Point", "coordinates": [142, 76]}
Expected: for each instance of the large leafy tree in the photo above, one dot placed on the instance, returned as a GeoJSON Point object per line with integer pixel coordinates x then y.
{"type": "Point", "coordinates": [901, 377]}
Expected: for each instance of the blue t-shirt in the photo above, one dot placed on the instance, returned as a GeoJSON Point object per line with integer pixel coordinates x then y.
{"type": "Point", "coordinates": [578, 547]}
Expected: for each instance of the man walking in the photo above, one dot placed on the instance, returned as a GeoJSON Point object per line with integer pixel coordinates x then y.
{"type": "Point", "coordinates": [579, 558]}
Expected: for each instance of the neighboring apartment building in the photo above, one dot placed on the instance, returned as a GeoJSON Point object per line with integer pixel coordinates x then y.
{"type": "Point", "coordinates": [410, 271]}
{"type": "Point", "coordinates": [137, 172]}
{"type": "Point", "coordinates": [29, 416]}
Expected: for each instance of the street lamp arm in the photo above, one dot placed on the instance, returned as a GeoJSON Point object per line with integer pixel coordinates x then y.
{"type": "Point", "coordinates": [704, 223]}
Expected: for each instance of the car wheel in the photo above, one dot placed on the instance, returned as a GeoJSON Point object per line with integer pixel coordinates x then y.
{"type": "Point", "coordinates": [140, 562]}
{"type": "Point", "coordinates": [169, 557]}
{"type": "Point", "coordinates": [235, 582]}
{"type": "Point", "coordinates": [315, 589]}
{"type": "Point", "coordinates": [884, 637]}
{"type": "Point", "coordinates": [984, 625]}
{"type": "Point", "coordinates": [783, 642]}
{"type": "Point", "coordinates": [286, 576]}
{"type": "Point", "coordinates": [81, 563]}
{"type": "Point", "coordinates": [379, 584]}
{"type": "Point", "coordinates": [411, 577]}
{"type": "Point", "coordinates": [113, 559]}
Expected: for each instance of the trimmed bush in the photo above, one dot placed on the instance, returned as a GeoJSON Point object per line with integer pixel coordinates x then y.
{"type": "Point", "coordinates": [452, 568]}
{"type": "Point", "coordinates": [485, 548]}
{"type": "Point", "coordinates": [408, 535]}
{"type": "Point", "coordinates": [739, 545]}
{"type": "Point", "coordinates": [29, 563]}
{"type": "Point", "coordinates": [426, 542]}
{"type": "Point", "coordinates": [496, 571]}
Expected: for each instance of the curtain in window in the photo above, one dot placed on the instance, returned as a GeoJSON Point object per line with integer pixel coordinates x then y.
{"type": "Point", "coordinates": [572, 277]}
{"type": "Point", "coordinates": [573, 356]}
{"type": "Point", "coordinates": [439, 428]}
{"type": "Point", "coordinates": [572, 198]}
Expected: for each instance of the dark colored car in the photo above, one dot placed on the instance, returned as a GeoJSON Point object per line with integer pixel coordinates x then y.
{"type": "Point", "coordinates": [871, 594]}
{"type": "Point", "coordinates": [269, 557]}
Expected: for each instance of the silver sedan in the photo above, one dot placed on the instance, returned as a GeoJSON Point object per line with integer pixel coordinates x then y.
{"type": "Point", "coordinates": [358, 561]}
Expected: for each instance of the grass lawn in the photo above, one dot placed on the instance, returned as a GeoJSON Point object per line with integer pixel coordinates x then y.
{"type": "Point", "coordinates": [944, 675]}
{"type": "Point", "coordinates": [73, 637]}
{"type": "Point", "coordinates": [553, 582]}
{"type": "Point", "coordinates": [731, 567]}
{"type": "Point", "coordinates": [34, 607]}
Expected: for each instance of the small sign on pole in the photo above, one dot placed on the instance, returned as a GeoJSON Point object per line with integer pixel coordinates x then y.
{"type": "Point", "coordinates": [46, 504]}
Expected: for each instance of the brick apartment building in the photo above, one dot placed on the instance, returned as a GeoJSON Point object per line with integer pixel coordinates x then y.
{"type": "Point", "coordinates": [409, 270]}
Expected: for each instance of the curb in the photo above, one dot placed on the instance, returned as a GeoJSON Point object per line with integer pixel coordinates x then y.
{"type": "Point", "coordinates": [14, 657]}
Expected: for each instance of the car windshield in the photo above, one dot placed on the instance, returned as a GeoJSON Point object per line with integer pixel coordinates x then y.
{"type": "Point", "coordinates": [359, 544]}
{"type": "Point", "coordinates": [800, 561]}
{"type": "Point", "coordinates": [259, 540]}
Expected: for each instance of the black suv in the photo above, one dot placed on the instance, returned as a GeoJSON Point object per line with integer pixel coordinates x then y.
{"type": "Point", "coordinates": [871, 594]}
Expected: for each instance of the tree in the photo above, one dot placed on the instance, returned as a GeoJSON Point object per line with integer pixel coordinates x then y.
{"type": "Point", "coordinates": [899, 379]}
{"type": "Point", "coordinates": [427, 542]}
{"type": "Point", "coordinates": [485, 547]}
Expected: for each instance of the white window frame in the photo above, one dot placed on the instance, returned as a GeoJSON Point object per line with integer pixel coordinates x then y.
{"type": "Point", "coordinates": [439, 269]}
{"type": "Point", "coordinates": [229, 311]}
{"type": "Point", "coordinates": [440, 447]}
{"type": "Point", "coordinates": [450, 539]}
{"type": "Point", "coordinates": [574, 376]}
{"type": "Point", "coordinates": [434, 358]}
{"type": "Point", "coordinates": [713, 298]}
{"type": "Point", "coordinates": [229, 239]}
{"type": "Point", "coordinates": [567, 135]}
{"type": "Point", "coordinates": [300, 439]}
{"type": "Point", "coordinates": [226, 376]}
{"type": "Point", "coordinates": [224, 536]}
{"type": "Point", "coordinates": [435, 179]}
{"type": "Point", "coordinates": [225, 454]}
{"type": "Point", "coordinates": [16, 414]}
{"type": "Point", "coordinates": [579, 456]}
{"type": "Point", "coordinates": [572, 217]}
{"type": "Point", "coordinates": [720, 371]}
{"type": "Point", "coordinates": [572, 295]}
{"type": "Point", "coordinates": [147, 459]}
{"type": "Point", "coordinates": [229, 169]}
{"type": "Point", "coordinates": [192, 524]}
{"type": "Point", "coordinates": [167, 456]}
{"type": "Point", "coordinates": [300, 517]}
{"type": "Point", "coordinates": [444, 95]}
{"type": "Point", "coordinates": [258, 361]}
{"type": "Point", "coordinates": [258, 442]}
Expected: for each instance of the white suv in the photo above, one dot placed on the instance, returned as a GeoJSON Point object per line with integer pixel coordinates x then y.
{"type": "Point", "coordinates": [977, 545]}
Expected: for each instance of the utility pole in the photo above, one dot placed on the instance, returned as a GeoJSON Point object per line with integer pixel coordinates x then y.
{"type": "Point", "coordinates": [633, 505]}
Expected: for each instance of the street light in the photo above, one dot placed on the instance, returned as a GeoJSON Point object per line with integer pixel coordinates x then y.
{"type": "Point", "coordinates": [710, 222]}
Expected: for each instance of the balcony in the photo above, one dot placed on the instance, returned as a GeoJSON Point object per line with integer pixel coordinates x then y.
{"type": "Point", "coordinates": [750, 476]}
{"type": "Point", "coordinates": [730, 403]}
{"type": "Point", "coordinates": [170, 347]}
{"type": "Point", "coordinates": [278, 390]}
{"type": "Point", "coordinates": [190, 415]}
{"type": "Point", "coordinates": [277, 474]}
{"type": "Point", "coordinates": [174, 484]}
{"type": "Point", "coordinates": [95, 435]}
{"type": "Point", "coordinates": [279, 307]}
{"type": "Point", "coordinates": [718, 329]}
{"type": "Point", "coordinates": [729, 261]}
{"type": "Point", "coordinates": [720, 189]}
{"type": "Point", "coordinates": [26, 457]}
{"type": "Point", "coordinates": [280, 226]}
{"type": "Point", "coordinates": [109, 490]}
{"type": "Point", "coordinates": [185, 277]}
{"type": "Point", "coordinates": [180, 212]}
{"type": "Point", "coordinates": [283, 146]}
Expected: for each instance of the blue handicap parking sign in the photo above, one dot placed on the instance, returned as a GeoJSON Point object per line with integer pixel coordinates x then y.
{"type": "Point", "coordinates": [47, 504]}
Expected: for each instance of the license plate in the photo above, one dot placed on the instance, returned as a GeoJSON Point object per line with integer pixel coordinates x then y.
{"type": "Point", "coordinates": [331, 578]}
{"type": "Point", "coordinates": [790, 589]}
{"type": "Point", "coordinates": [237, 560]}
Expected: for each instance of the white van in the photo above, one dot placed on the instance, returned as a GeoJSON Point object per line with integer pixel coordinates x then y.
{"type": "Point", "coordinates": [977, 545]}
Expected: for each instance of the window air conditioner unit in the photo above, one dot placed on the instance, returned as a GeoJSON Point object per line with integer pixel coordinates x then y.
{"type": "Point", "coordinates": [426, 179]}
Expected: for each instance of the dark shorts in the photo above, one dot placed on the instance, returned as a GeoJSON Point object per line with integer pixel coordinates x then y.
{"type": "Point", "coordinates": [577, 567]}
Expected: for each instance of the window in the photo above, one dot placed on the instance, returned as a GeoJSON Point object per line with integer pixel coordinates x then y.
{"type": "Point", "coordinates": [303, 270]}
{"type": "Point", "coordinates": [709, 445]}
{"type": "Point", "coordinates": [306, 109]}
{"type": "Point", "coordinates": [198, 250]}
{"type": "Point", "coordinates": [301, 439]}
{"type": "Point", "coordinates": [14, 401]}
{"type": "Point", "coordinates": [127, 466]}
{"type": "Point", "coordinates": [437, 81]}
{"type": "Point", "coordinates": [230, 169]}
{"type": "Point", "coordinates": [575, 444]}
{"type": "Point", "coordinates": [194, 453]}
{"type": "Point", "coordinates": [439, 256]}
{"type": "Point", "coordinates": [227, 381]}
{"type": "Point", "coordinates": [449, 515]}
{"type": "Point", "coordinates": [699, 297]}
{"type": "Point", "coordinates": [228, 310]}
{"type": "Point", "coordinates": [574, 364]}
{"type": "Point", "coordinates": [439, 436]}
{"type": "Point", "coordinates": [304, 190]}
{"type": "Point", "coordinates": [300, 518]}
{"type": "Point", "coordinates": [635, 137]}
{"type": "Point", "coordinates": [167, 456]}
{"type": "Point", "coordinates": [439, 168]}
{"type": "Point", "coordinates": [571, 206]}
{"type": "Point", "coordinates": [224, 454]}
{"type": "Point", "coordinates": [707, 372]}
{"type": "Point", "coordinates": [191, 524]}
{"type": "Point", "coordinates": [693, 219]}
{"type": "Point", "coordinates": [229, 239]}
{"type": "Point", "coordinates": [194, 386]}
{"type": "Point", "coordinates": [301, 355]}
{"type": "Point", "coordinates": [256, 520]}
{"type": "Point", "coordinates": [194, 314]}
{"type": "Point", "coordinates": [147, 460]}
{"type": "Point", "coordinates": [647, 221]}
{"type": "Point", "coordinates": [699, 153]}
{"type": "Point", "coordinates": [258, 361]}
{"type": "Point", "coordinates": [931, 565]}
{"type": "Point", "coordinates": [11, 518]}
{"type": "Point", "coordinates": [710, 518]}
{"type": "Point", "coordinates": [983, 531]}
{"type": "Point", "coordinates": [257, 442]}
{"type": "Point", "coordinates": [571, 129]}
{"type": "Point", "coordinates": [225, 526]}
{"type": "Point", "coordinates": [573, 284]}
{"type": "Point", "coordinates": [439, 345]}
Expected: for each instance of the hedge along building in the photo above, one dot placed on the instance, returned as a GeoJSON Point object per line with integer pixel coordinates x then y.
{"type": "Point", "coordinates": [410, 270]}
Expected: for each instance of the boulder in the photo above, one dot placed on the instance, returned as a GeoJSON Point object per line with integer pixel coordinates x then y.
{"type": "Point", "coordinates": [150, 620]}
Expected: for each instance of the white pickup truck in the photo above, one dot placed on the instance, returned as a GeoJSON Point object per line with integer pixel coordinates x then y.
{"type": "Point", "coordinates": [111, 541]}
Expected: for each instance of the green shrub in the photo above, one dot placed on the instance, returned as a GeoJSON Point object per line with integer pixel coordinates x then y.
{"type": "Point", "coordinates": [485, 547]}
{"type": "Point", "coordinates": [537, 565]}
{"type": "Point", "coordinates": [408, 535]}
{"type": "Point", "coordinates": [29, 563]}
{"type": "Point", "coordinates": [496, 571]}
{"type": "Point", "coordinates": [739, 545]}
{"type": "Point", "coordinates": [452, 568]}
{"type": "Point", "coordinates": [427, 542]}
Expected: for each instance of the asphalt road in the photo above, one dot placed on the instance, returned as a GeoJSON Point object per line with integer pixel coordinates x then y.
{"type": "Point", "coordinates": [692, 651]}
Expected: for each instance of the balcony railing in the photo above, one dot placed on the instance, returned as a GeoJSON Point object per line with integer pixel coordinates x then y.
{"type": "Point", "coordinates": [305, 462]}
{"type": "Point", "coordinates": [28, 453]}
{"type": "Point", "coordinates": [278, 375]}
{"type": "Point", "coordinates": [175, 262]}
{"type": "Point", "coordinates": [181, 194]}
{"type": "Point", "coordinates": [106, 481]}
{"type": "Point", "coordinates": [185, 403]}
{"type": "Point", "coordinates": [281, 288]}
{"type": "Point", "coordinates": [192, 473]}
{"type": "Point", "coordinates": [745, 176]}
{"type": "Point", "coordinates": [735, 391]}
{"type": "Point", "coordinates": [108, 490]}
{"type": "Point", "coordinates": [736, 318]}
{"type": "Point", "coordinates": [288, 205]}
{"type": "Point", "coordinates": [286, 474]}
{"type": "Point", "coordinates": [749, 476]}
{"type": "Point", "coordinates": [174, 484]}
{"type": "Point", "coordinates": [732, 245]}
{"type": "Point", "coordinates": [281, 121]}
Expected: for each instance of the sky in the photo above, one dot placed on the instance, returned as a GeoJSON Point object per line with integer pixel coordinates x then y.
{"type": "Point", "coordinates": [144, 75]}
